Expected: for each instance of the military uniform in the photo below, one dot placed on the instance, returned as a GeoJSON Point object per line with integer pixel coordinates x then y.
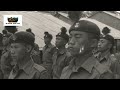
{"type": "Point", "coordinates": [60, 57]}
{"type": "Point", "coordinates": [115, 67]}
{"type": "Point", "coordinates": [36, 56]}
{"type": "Point", "coordinates": [6, 61]}
{"type": "Point", "coordinates": [29, 71]}
{"type": "Point", "coordinates": [6, 64]}
{"type": "Point", "coordinates": [106, 58]}
{"type": "Point", "coordinates": [60, 60]}
{"type": "Point", "coordinates": [86, 67]}
{"type": "Point", "coordinates": [47, 53]}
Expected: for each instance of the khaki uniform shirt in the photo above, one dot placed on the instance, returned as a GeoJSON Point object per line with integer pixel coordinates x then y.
{"type": "Point", "coordinates": [29, 71]}
{"type": "Point", "coordinates": [60, 60]}
{"type": "Point", "coordinates": [48, 52]}
{"type": "Point", "coordinates": [86, 67]}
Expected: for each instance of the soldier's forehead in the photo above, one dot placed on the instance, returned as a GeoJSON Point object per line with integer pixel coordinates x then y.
{"type": "Point", "coordinates": [77, 33]}
{"type": "Point", "coordinates": [17, 43]}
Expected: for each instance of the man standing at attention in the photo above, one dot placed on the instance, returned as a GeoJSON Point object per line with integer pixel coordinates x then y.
{"type": "Point", "coordinates": [84, 36]}
{"type": "Point", "coordinates": [21, 45]}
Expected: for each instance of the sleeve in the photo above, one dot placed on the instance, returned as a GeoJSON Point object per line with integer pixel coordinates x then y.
{"type": "Point", "coordinates": [115, 68]}
{"type": "Point", "coordinates": [107, 75]}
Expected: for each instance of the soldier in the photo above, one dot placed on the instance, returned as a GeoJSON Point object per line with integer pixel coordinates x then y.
{"type": "Point", "coordinates": [60, 57]}
{"type": "Point", "coordinates": [105, 47]}
{"type": "Point", "coordinates": [115, 66]}
{"type": "Point", "coordinates": [36, 54]}
{"type": "Point", "coordinates": [22, 44]}
{"type": "Point", "coordinates": [84, 36]}
{"type": "Point", "coordinates": [48, 51]}
{"type": "Point", "coordinates": [6, 60]}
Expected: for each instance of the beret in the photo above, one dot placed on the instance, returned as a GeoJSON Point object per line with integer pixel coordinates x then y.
{"type": "Point", "coordinates": [23, 37]}
{"type": "Point", "coordinates": [85, 26]}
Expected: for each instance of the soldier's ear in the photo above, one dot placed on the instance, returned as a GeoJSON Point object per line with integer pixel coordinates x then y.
{"type": "Point", "coordinates": [28, 48]}
{"type": "Point", "coordinates": [94, 43]}
{"type": "Point", "coordinates": [109, 46]}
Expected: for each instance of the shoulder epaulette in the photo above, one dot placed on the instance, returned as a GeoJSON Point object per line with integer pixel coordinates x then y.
{"type": "Point", "coordinates": [101, 68]}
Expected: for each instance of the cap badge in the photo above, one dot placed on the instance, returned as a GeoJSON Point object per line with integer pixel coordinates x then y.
{"type": "Point", "coordinates": [76, 25]}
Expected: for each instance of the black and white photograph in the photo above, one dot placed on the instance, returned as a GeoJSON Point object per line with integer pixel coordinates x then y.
{"type": "Point", "coordinates": [59, 44]}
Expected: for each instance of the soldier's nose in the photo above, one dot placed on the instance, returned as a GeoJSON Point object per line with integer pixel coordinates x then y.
{"type": "Point", "coordinates": [71, 41]}
{"type": "Point", "coordinates": [12, 51]}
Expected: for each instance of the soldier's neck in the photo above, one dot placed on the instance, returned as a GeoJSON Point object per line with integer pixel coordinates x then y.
{"type": "Point", "coordinates": [105, 53]}
{"type": "Point", "coordinates": [25, 60]}
{"type": "Point", "coordinates": [48, 44]}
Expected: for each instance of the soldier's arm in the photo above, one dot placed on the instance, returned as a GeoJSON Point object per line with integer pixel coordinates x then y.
{"type": "Point", "coordinates": [107, 75]}
{"type": "Point", "coordinates": [44, 75]}
{"type": "Point", "coordinates": [115, 68]}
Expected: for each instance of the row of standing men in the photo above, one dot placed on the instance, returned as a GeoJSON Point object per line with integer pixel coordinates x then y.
{"type": "Point", "coordinates": [88, 55]}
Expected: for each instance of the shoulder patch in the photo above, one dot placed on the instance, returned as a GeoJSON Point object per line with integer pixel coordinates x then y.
{"type": "Point", "coordinates": [39, 68]}
{"type": "Point", "coordinates": [101, 68]}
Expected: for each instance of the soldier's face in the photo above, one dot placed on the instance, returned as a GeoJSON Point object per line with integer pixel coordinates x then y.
{"type": "Point", "coordinates": [17, 51]}
{"type": "Point", "coordinates": [103, 45]}
{"type": "Point", "coordinates": [47, 40]}
{"type": "Point", "coordinates": [60, 42]}
{"type": "Point", "coordinates": [5, 41]}
{"type": "Point", "coordinates": [78, 42]}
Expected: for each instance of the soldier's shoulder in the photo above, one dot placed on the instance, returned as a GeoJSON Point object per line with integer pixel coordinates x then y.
{"type": "Point", "coordinates": [101, 68]}
{"type": "Point", "coordinates": [39, 68]}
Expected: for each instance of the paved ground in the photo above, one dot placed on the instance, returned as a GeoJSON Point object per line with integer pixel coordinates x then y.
{"type": "Point", "coordinates": [39, 22]}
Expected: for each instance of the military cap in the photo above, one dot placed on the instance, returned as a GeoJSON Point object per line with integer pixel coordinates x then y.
{"type": "Point", "coordinates": [63, 34]}
{"type": "Point", "coordinates": [4, 31]}
{"type": "Point", "coordinates": [47, 35]}
{"type": "Point", "coordinates": [6, 34]}
{"type": "Point", "coordinates": [109, 38]}
{"type": "Point", "coordinates": [23, 37]}
{"type": "Point", "coordinates": [85, 26]}
{"type": "Point", "coordinates": [30, 31]}
{"type": "Point", "coordinates": [106, 30]}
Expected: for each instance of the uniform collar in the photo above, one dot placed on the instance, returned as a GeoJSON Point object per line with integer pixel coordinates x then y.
{"type": "Point", "coordinates": [87, 62]}
{"type": "Point", "coordinates": [62, 51]}
{"type": "Point", "coordinates": [105, 55]}
{"type": "Point", "coordinates": [49, 45]}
